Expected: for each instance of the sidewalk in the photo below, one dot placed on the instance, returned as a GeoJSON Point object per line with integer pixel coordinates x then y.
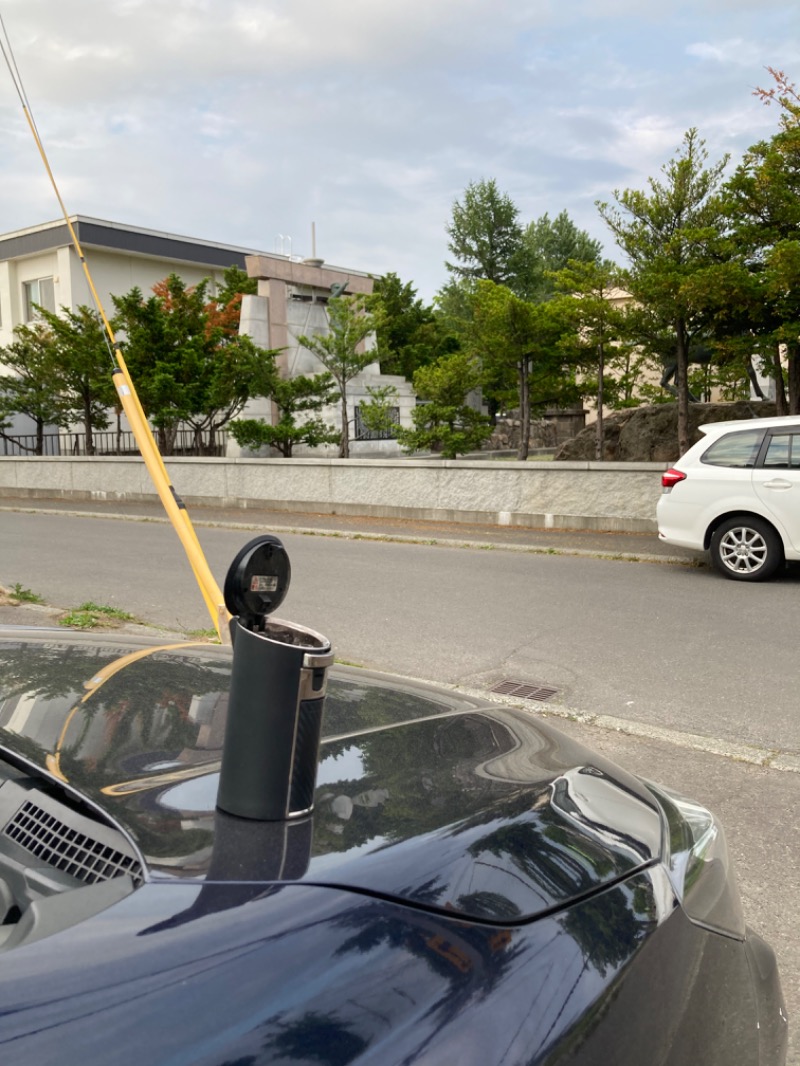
{"type": "Point", "coordinates": [644, 546]}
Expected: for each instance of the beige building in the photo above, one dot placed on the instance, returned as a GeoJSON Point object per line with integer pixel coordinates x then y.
{"type": "Point", "coordinates": [39, 265]}
{"type": "Point", "coordinates": [291, 301]}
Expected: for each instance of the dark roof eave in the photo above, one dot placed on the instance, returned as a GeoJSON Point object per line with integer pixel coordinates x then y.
{"type": "Point", "coordinates": [95, 234]}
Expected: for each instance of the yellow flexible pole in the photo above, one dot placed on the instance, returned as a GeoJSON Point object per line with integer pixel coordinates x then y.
{"type": "Point", "coordinates": [129, 400]}
{"type": "Point", "coordinates": [174, 507]}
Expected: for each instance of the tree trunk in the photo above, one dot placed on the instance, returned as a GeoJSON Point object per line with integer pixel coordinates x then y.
{"type": "Point", "coordinates": [87, 421]}
{"type": "Point", "coordinates": [166, 438]}
{"type": "Point", "coordinates": [598, 444]}
{"type": "Point", "coordinates": [524, 410]}
{"type": "Point", "coordinates": [752, 377]}
{"type": "Point", "coordinates": [793, 354]}
{"type": "Point", "coordinates": [682, 385]}
{"type": "Point", "coordinates": [344, 443]}
{"type": "Point", "coordinates": [39, 437]}
{"type": "Point", "coordinates": [781, 406]}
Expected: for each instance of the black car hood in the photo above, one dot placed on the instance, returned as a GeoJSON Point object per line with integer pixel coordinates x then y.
{"type": "Point", "coordinates": [422, 796]}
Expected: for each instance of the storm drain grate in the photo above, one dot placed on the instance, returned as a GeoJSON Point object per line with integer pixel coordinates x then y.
{"type": "Point", "coordinates": [522, 690]}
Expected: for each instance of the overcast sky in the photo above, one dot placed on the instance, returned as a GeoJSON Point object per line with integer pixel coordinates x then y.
{"type": "Point", "coordinates": [244, 122]}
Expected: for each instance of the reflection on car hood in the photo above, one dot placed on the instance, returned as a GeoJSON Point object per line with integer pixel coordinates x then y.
{"type": "Point", "coordinates": [421, 795]}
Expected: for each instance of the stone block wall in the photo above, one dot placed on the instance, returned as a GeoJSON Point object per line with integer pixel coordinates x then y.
{"type": "Point", "coordinates": [568, 495]}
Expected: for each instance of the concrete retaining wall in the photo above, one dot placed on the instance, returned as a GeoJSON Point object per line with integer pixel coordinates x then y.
{"type": "Point", "coordinates": [575, 495]}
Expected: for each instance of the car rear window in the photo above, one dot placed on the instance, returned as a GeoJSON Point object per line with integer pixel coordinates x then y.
{"type": "Point", "coordinates": [735, 449]}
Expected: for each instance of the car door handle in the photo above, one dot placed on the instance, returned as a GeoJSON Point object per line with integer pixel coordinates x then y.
{"type": "Point", "coordinates": [778, 483]}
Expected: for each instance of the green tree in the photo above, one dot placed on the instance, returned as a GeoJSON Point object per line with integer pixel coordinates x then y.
{"type": "Point", "coordinates": [26, 382]}
{"type": "Point", "coordinates": [446, 423]}
{"type": "Point", "coordinates": [378, 412]}
{"type": "Point", "coordinates": [82, 367]}
{"type": "Point", "coordinates": [520, 345]}
{"type": "Point", "coordinates": [341, 350]}
{"type": "Point", "coordinates": [453, 307]}
{"type": "Point", "coordinates": [484, 233]}
{"type": "Point", "coordinates": [599, 324]}
{"type": "Point", "coordinates": [235, 283]}
{"type": "Point", "coordinates": [408, 333]}
{"type": "Point", "coordinates": [547, 246]}
{"type": "Point", "coordinates": [188, 360]}
{"type": "Point", "coordinates": [293, 397]}
{"type": "Point", "coordinates": [453, 303]}
{"type": "Point", "coordinates": [672, 237]}
{"type": "Point", "coordinates": [505, 338]}
{"type": "Point", "coordinates": [763, 206]}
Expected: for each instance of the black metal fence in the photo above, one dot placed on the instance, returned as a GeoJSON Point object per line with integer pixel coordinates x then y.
{"type": "Point", "coordinates": [362, 433]}
{"type": "Point", "coordinates": [26, 444]}
{"type": "Point", "coordinates": [110, 442]}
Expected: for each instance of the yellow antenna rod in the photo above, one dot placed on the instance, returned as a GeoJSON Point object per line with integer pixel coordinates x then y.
{"type": "Point", "coordinates": [129, 400]}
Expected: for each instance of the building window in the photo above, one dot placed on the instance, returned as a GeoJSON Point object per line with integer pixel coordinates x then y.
{"type": "Point", "coordinates": [39, 293]}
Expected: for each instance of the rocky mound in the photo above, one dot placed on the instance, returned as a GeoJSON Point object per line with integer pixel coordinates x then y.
{"type": "Point", "coordinates": [642, 434]}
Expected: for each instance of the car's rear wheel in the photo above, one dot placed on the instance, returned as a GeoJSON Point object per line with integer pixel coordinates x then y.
{"type": "Point", "coordinates": [746, 549]}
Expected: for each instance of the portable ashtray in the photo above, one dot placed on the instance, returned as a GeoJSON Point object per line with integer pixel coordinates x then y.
{"type": "Point", "coordinates": [277, 694]}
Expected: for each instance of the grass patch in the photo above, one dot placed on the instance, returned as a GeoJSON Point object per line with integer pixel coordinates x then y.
{"type": "Point", "coordinates": [22, 595]}
{"type": "Point", "coordinates": [203, 634]}
{"type": "Point", "coordinates": [95, 616]}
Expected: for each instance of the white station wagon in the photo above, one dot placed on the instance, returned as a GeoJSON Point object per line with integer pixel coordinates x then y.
{"type": "Point", "coordinates": [736, 494]}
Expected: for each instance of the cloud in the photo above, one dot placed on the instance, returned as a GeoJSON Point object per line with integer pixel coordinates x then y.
{"type": "Point", "coordinates": [238, 120]}
{"type": "Point", "coordinates": [735, 50]}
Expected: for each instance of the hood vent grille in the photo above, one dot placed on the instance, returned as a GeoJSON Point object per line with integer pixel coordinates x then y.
{"type": "Point", "coordinates": [65, 848]}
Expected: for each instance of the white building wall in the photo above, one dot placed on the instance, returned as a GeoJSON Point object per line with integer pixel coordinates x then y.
{"type": "Point", "coordinates": [8, 275]}
{"type": "Point", "coordinates": [113, 273]}
{"type": "Point", "coordinates": [30, 269]}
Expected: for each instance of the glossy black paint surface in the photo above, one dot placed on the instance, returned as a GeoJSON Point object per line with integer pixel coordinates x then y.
{"type": "Point", "coordinates": [225, 974]}
{"type": "Point", "coordinates": [487, 814]}
{"type": "Point", "coordinates": [473, 888]}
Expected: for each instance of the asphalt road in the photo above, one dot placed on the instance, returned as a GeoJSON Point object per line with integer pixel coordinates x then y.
{"type": "Point", "coordinates": [668, 646]}
{"type": "Point", "coordinates": [678, 674]}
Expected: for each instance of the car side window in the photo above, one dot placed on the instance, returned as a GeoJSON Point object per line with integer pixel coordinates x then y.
{"type": "Point", "coordinates": [779, 452]}
{"type": "Point", "coordinates": [735, 449]}
{"type": "Point", "coordinates": [783, 451]}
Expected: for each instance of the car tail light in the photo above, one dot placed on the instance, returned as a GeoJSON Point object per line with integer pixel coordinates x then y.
{"type": "Point", "coordinates": [672, 477]}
